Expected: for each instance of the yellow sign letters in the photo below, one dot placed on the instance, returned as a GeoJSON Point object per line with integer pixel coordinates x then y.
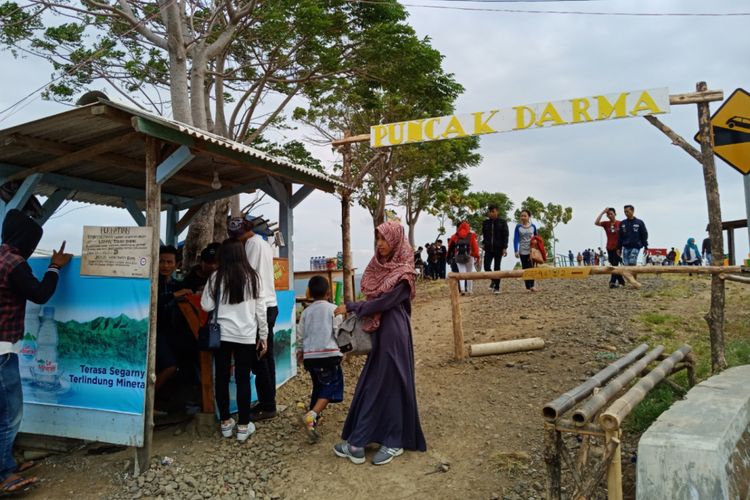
{"type": "Point", "coordinates": [540, 115]}
{"type": "Point", "coordinates": [542, 273]}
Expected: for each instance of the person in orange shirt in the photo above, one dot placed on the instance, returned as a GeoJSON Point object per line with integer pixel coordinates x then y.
{"type": "Point", "coordinates": [464, 250]}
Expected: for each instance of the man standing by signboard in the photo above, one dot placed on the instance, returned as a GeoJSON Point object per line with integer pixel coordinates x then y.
{"type": "Point", "coordinates": [260, 255]}
{"type": "Point", "coordinates": [611, 226]}
{"type": "Point", "coordinates": [632, 237]}
{"type": "Point", "coordinates": [20, 235]}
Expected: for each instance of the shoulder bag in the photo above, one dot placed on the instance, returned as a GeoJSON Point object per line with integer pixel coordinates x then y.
{"type": "Point", "coordinates": [536, 256]}
{"type": "Point", "coordinates": [351, 338]}
{"type": "Point", "coordinates": [209, 335]}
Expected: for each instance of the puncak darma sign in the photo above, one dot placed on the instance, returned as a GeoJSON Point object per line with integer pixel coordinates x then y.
{"type": "Point", "coordinates": [541, 115]}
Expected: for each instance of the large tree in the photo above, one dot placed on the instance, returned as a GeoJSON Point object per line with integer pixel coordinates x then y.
{"type": "Point", "coordinates": [230, 67]}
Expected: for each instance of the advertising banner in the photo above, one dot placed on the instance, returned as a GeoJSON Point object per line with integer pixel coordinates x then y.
{"type": "Point", "coordinates": [83, 357]}
{"type": "Point", "coordinates": [540, 115]}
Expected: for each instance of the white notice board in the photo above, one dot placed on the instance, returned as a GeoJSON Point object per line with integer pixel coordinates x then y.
{"type": "Point", "coordinates": [116, 251]}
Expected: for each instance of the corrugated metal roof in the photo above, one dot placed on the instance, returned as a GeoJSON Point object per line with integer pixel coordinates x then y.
{"type": "Point", "coordinates": [222, 141]}
{"type": "Point", "coordinates": [119, 172]}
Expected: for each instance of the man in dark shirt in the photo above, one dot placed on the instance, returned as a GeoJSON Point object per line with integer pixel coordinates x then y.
{"type": "Point", "coordinates": [442, 257]}
{"type": "Point", "coordinates": [20, 235]}
{"type": "Point", "coordinates": [198, 276]}
{"type": "Point", "coordinates": [632, 237]}
{"type": "Point", "coordinates": [495, 242]}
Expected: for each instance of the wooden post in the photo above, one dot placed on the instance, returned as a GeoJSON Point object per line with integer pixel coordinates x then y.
{"type": "Point", "coordinates": [153, 212]}
{"type": "Point", "coordinates": [552, 445]}
{"type": "Point", "coordinates": [458, 332]}
{"type": "Point", "coordinates": [715, 316]}
{"type": "Point", "coordinates": [346, 227]}
{"type": "Point", "coordinates": [614, 470]}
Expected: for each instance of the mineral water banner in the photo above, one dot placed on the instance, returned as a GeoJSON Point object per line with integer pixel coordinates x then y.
{"type": "Point", "coordinates": [540, 115]}
{"type": "Point", "coordinates": [85, 349]}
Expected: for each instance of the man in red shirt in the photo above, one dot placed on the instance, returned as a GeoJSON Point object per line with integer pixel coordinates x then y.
{"type": "Point", "coordinates": [611, 226]}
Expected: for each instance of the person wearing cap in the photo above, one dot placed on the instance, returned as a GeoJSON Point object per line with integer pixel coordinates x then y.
{"type": "Point", "coordinates": [251, 230]}
{"type": "Point", "coordinates": [20, 236]}
{"type": "Point", "coordinates": [198, 275]}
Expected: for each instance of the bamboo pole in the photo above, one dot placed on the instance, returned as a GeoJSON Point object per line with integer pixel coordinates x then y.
{"type": "Point", "coordinates": [596, 402]}
{"type": "Point", "coordinates": [622, 270]}
{"type": "Point", "coordinates": [612, 418]}
{"type": "Point", "coordinates": [153, 212]}
{"type": "Point", "coordinates": [563, 403]}
{"type": "Point", "coordinates": [614, 469]}
{"type": "Point", "coordinates": [506, 346]}
{"type": "Point", "coordinates": [588, 429]}
{"type": "Point", "coordinates": [458, 331]}
{"type": "Point", "coordinates": [596, 475]}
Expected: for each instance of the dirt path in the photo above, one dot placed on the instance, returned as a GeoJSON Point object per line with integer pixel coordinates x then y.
{"type": "Point", "coordinates": [481, 417]}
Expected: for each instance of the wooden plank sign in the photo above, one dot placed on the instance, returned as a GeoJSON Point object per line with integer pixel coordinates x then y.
{"type": "Point", "coordinates": [542, 273]}
{"type": "Point", "coordinates": [120, 252]}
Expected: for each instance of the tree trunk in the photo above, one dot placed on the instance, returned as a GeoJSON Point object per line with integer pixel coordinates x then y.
{"type": "Point", "coordinates": [178, 63]}
{"type": "Point", "coordinates": [715, 316]}
{"type": "Point", "coordinates": [221, 210]}
{"type": "Point", "coordinates": [412, 227]}
{"type": "Point", "coordinates": [200, 234]}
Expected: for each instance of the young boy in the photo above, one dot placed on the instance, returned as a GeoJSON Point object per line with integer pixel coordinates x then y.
{"type": "Point", "coordinates": [317, 349]}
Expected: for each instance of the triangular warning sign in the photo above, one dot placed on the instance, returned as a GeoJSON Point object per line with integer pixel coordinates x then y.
{"type": "Point", "coordinates": [730, 125]}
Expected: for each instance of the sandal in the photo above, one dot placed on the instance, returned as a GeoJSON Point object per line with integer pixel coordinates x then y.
{"type": "Point", "coordinates": [16, 484]}
{"type": "Point", "coordinates": [26, 466]}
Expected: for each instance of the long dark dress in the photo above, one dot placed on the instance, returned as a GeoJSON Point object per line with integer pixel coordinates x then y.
{"type": "Point", "coordinates": [384, 407]}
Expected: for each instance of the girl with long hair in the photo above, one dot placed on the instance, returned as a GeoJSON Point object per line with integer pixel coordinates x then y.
{"type": "Point", "coordinates": [241, 314]}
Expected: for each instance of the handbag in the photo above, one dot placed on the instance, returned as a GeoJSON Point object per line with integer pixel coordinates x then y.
{"type": "Point", "coordinates": [209, 335]}
{"type": "Point", "coordinates": [351, 338]}
{"type": "Point", "coordinates": [536, 256]}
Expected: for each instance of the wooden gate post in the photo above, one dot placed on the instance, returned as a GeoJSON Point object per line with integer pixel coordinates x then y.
{"type": "Point", "coordinates": [552, 445]}
{"type": "Point", "coordinates": [715, 316]}
{"type": "Point", "coordinates": [458, 332]}
{"type": "Point", "coordinates": [614, 469]}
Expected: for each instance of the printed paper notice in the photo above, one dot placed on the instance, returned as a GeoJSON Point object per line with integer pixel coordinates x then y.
{"type": "Point", "coordinates": [120, 252]}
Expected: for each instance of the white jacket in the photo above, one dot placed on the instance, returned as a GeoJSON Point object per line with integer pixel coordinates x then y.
{"type": "Point", "coordinates": [240, 323]}
{"type": "Point", "coordinates": [260, 256]}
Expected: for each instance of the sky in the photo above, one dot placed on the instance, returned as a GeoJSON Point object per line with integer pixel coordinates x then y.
{"type": "Point", "coordinates": [511, 58]}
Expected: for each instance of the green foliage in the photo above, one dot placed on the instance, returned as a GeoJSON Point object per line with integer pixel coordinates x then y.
{"type": "Point", "coordinates": [549, 215]}
{"type": "Point", "coordinates": [120, 339]}
{"type": "Point", "coordinates": [294, 151]}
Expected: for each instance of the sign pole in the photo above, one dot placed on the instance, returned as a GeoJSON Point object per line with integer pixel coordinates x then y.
{"type": "Point", "coordinates": [746, 181]}
{"type": "Point", "coordinates": [715, 316]}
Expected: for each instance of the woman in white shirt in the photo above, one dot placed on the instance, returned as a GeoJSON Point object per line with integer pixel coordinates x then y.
{"type": "Point", "coordinates": [241, 314]}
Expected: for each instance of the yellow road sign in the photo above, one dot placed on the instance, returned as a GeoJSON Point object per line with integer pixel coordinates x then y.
{"type": "Point", "coordinates": [731, 129]}
{"type": "Point", "coordinates": [541, 273]}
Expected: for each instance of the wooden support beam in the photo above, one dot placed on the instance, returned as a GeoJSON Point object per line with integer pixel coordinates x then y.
{"type": "Point", "coordinates": [24, 193]}
{"type": "Point", "coordinates": [77, 156]}
{"type": "Point", "coordinates": [113, 160]}
{"type": "Point", "coordinates": [171, 233]}
{"type": "Point", "coordinates": [276, 189]}
{"type": "Point", "coordinates": [173, 163]}
{"type": "Point", "coordinates": [217, 195]}
{"type": "Point", "coordinates": [53, 203]}
{"type": "Point", "coordinates": [184, 222]}
{"type": "Point", "coordinates": [704, 96]}
{"type": "Point", "coordinates": [676, 139]}
{"type": "Point", "coordinates": [736, 279]}
{"type": "Point", "coordinates": [153, 213]}
{"type": "Point", "coordinates": [351, 139]}
{"type": "Point", "coordinates": [300, 195]}
{"type": "Point", "coordinates": [552, 445]}
{"type": "Point", "coordinates": [132, 207]}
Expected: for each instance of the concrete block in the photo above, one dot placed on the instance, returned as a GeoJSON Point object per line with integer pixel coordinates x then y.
{"type": "Point", "coordinates": [700, 447]}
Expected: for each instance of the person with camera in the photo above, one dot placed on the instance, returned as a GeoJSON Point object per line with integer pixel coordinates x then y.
{"type": "Point", "coordinates": [384, 406]}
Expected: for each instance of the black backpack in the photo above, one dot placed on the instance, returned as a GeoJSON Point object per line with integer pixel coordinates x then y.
{"type": "Point", "coordinates": [463, 252]}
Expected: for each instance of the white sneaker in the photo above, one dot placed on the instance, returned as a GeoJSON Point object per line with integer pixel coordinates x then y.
{"type": "Point", "coordinates": [244, 431]}
{"type": "Point", "coordinates": [226, 429]}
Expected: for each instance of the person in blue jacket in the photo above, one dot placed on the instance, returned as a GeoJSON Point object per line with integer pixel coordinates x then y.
{"type": "Point", "coordinates": [632, 237]}
{"type": "Point", "coordinates": [690, 254]}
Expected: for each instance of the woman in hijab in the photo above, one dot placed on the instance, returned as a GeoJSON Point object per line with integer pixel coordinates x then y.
{"type": "Point", "coordinates": [690, 254]}
{"type": "Point", "coordinates": [384, 407]}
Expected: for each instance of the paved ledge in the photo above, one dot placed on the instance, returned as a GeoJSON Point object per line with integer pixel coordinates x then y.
{"type": "Point", "coordinates": [700, 447]}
